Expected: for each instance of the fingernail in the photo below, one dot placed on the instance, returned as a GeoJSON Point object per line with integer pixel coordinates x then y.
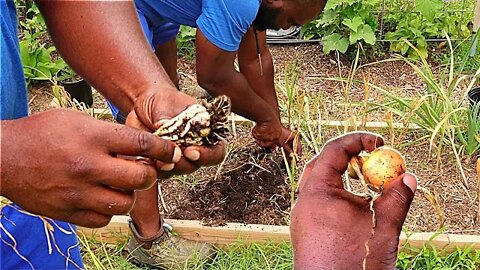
{"type": "Point", "coordinates": [410, 180]}
{"type": "Point", "coordinates": [192, 155]}
{"type": "Point", "coordinates": [167, 167]}
{"type": "Point", "coordinates": [177, 155]}
{"type": "Point", "coordinates": [160, 122]}
{"type": "Point", "coordinates": [144, 160]}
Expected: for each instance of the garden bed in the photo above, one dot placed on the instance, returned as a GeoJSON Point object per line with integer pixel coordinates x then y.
{"type": "Point", "coordinates": [253, 187]}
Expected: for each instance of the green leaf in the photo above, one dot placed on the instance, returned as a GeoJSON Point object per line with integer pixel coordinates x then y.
{"type": "Point", "coordinates": [422, 51]}
{"type": "Point", "coordinates": [332, 4]}
{"type": "Point", "coordinates": [27, 58]}
{"type": "Point", "coordinates": [428, 8]}
{"type": "Point", "coordinates": [335, 42]}
{"type": "Point", "coordinates": [42, 73]}
{"type": "Point", "coordinates": [366, 33]}
{"type": "Point", "coordinates": [404, 48]}
{"type": "Point", "coordinates": [328, 17]}
{"type": "Point", "coordinates": [354, 23]}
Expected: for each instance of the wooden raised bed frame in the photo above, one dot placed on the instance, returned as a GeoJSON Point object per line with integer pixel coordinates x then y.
{"type": "Point", "coordinates": [253, 233]}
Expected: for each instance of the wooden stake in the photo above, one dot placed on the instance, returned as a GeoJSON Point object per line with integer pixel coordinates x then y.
{"type": "Point", "coordinates": [478, 190]}
{"type": "Point", "coordinates": [476, 21]}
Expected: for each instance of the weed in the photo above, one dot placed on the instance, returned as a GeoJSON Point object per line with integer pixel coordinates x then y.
{"type": "Point", "coordinates": [344, 23]}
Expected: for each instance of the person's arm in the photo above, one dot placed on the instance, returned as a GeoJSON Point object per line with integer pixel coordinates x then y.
{"type": "Point", "coordinates": [261, 79]}
{"type": "Point", "coordinates": [216, 73]}
{"type": "Point", "coordinates": [104, 43]}
{"type": "Point", "coordinates": [63, 164]}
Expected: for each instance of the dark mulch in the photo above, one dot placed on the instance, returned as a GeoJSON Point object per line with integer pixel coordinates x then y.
{"type": "Point", "coordinates": [254, 192]}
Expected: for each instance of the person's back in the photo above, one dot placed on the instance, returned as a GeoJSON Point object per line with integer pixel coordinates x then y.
{"type": "Point", "coordinates": [223, 22]}
{"type": "Point", "coordinates": [184, 12]}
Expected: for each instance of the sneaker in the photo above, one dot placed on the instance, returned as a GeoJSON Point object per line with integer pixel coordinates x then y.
{"type": "Point", "coordinates": [168, 251]}
{"type": "Point", "coordinates": [197, 92]}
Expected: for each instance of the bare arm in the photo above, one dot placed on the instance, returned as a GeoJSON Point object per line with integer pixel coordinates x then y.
{"type": "Point", "coordinates": [103, 42]}
{"type": "Point", "coordinates": [264, 84]}
{"type": "Point", "coordinates": [261, 79]}
{"type": "Point", "coordinates": [116, 47]}
{"type": "Point", "coordinates": [216, 73]}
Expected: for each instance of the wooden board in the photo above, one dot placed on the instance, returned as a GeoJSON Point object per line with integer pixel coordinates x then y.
{"type": "Point", "coordinates": [236, 232]}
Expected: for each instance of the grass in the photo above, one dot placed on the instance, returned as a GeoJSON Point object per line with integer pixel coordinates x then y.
{"type": "Point", "coordinates": [440, 112]}
{"type": "Point", "coordinates": [98, 255]}
{"type": "Point", "coordinates": [431, 258]}
{"type": "Point", "coordinates": [462, 54]}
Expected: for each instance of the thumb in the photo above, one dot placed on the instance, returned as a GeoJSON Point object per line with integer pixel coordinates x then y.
{"type": "Point", "coordinates": [134, 121]}
{"type": "Point", "coordinates": [392, 207]}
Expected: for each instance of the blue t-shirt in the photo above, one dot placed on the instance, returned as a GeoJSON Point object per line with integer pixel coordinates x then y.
{"type": "Point", "coordinates": [37, 245]}
{"type": "Point", "coordinates": [12, 82]}
{"type": "Point", "coordinates": [223, 22]}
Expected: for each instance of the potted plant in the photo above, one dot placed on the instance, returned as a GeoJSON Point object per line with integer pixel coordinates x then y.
{"type": "Point", "coordinates": [76, 86]}
{"type": "Point", "coordinates": [474, 96]}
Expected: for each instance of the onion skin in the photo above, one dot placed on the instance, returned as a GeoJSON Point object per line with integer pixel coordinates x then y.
{"type": "Point", "coordinates": [384, 165]}
{"type": "Point", "coordinates": [351, 172]}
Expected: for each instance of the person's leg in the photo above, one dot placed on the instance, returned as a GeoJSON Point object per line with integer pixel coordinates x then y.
{"type": "Point", "coordinates": [167, 55]}
{"type": "Point", "coordinates": [152, 242]}
{"type": "Point", "coordinates": [164, 40]}
{"type": "Point", "coordinates": [145, 215]}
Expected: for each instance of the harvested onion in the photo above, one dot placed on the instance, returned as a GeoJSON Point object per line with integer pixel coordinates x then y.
{"type": "Point", "coordinates": [378, 168]}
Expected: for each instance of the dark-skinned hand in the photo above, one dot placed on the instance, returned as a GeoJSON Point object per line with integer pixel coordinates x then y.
{"type": "Point", "coordinates": [288, 140]}
{"type": "Point", "coordinates": [267, 134]}
{"type": "Point", "coordinates": [63, 164]}
{"type": "Point", "coordinates": [329, 225]}
{"type": "Point", "coordinates": [152, 109]}
{"type": "Point", "coordinates": [291, 144]}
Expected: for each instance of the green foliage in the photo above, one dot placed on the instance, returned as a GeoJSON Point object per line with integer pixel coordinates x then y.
{"type": "Point", "coordinates": [447, 119]}
{"type": "Point", "coordinates": [465, 63]}
{"type": "Point", "coordinates": [186, 41]}
{"type": "Point", "coordinates": [419, 21]}
{"type": "Point", "coordinates": [38, 61]}
{"type": "Point", "coordinates": [343, 23]}
{"type": "Point", "coordinates": [346, 22]}
{"type": "Point", "coordinates": [432, 258]}
{"type": "Point", "coordinates": [67, 74]}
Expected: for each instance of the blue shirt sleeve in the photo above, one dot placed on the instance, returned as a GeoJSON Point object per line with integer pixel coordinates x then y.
{"type": "Point", "coordinates": [224, 22]}
{"type": "Point", "coordinates": [13, 89]}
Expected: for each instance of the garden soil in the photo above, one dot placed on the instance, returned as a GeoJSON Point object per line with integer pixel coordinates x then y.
{"type": "Point", "coordinates": [253, 193]}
